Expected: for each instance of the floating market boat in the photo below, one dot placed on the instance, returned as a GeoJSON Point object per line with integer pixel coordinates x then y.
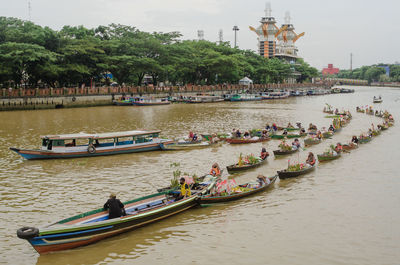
{"type": "Point", "coordinates": [242, 191]}
{"type": "Point", "coordinates": [296, 135]}
{"type": "Point", "coordinates": [284, 174]}
{"type": "Point", "coordinates": [123, 102]}
{"type": "Point", "coordinates": [328, 157]}
{"type": "Point", "coordinates": [285, 152]}
{"type": "Point", "coordinates": [90, 227]}
{"type": "Point", "coordinates": [349, 146]}
{"type": "Point", "coordinates": [378, 100]}
{"type": "Point", "coordinates": [277, 136]}
{"type": "Point", "coordinates": [186, 145]}
{"type": "Point", "coordinates": [237, 168]}
{"type": "Point", "coordinates": [141, 101]}
{"type": "Point", "coordinates": [246, 141]}
{"type": "Point", "coordinates": [84, 145]}
{"type": "Point", "coordinates": [312, 141]}
{"type": "Point", "coordinates": [364, 140]}
{"type": "Point", "coordinates": [327, 134]}
{"type": "Point", "coordinates": [204, 99]}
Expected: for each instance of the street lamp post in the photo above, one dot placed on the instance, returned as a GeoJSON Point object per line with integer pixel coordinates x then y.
{"type": "Point", "coordinates": [235, 29]}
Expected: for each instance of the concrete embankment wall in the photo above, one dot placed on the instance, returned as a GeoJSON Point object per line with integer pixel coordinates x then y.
{"type": "Point", "coordinates": [49, 98]}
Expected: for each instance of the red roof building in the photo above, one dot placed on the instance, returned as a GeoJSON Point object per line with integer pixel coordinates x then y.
{"type": "Point", "coordinates": [330, 70]}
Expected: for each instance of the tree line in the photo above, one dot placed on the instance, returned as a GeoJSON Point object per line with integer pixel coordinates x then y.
{"type": "Point", "coordinates": [373, 73]}
{"type": "Point", "coordinates": [32, 56]}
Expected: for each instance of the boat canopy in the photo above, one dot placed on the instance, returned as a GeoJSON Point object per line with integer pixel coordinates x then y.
{"type": "Point", "coordinates": [99, 135]}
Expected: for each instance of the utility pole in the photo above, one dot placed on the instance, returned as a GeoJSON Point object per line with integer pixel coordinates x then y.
{"type": "Point", "coordinates": [29, 10]}
{"type": "Point", "coordinates": [235, 29]}
{"type": "Point", "coordinates": [351, 61]}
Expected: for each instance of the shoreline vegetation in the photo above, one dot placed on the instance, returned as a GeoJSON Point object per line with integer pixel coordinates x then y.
{"type": "Point", "coordinates": [32, 56]}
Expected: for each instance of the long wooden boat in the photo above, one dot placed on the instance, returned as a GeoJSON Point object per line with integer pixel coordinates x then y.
{"type": "Point", "coordinates": [185, 145]}
{"type": "Point", "coordinates": [277, 136]}
{"type": "Point", "coordinates": [123, 102]}
{"type": "Point", "coordinates": [284, 152]}
{"type": "Point", "coordinates": [360, 110]}
{"type": "Point", "coordinates": [378, 100]}
{"type": "Point", "coordinates": [90, 227]}
{"type": "Point", "coordinates": [237, 168]}
{"type": "Point", "coordinates": [207, 199]}
{"type": "Point", "coordinates": [349, 146]}
{"type": "Point", "coordinates": [284, 174]}
{"type": "Point", "coordinates": [245, 97]}
{"type": "Point", "coordinates": [328, 157]}
{"type": "Point", "coordinates": [296, 135]}
{"type": "Point", "coordinates": [246, 141]}
{"type": "Point", "coordinates": [327, 134]}
{"type": "Point", "coordinates": [364, 140]}
{"type": "Point", "coordinates": [311, 141]}
{"type": "Point", "coordinates": [84, 145]}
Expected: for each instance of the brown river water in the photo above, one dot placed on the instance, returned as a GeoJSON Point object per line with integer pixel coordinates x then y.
{"type": "Point", "coordinates": [345, 212]}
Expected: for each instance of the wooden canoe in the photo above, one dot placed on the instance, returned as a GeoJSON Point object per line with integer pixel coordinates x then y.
{"type": "Point", "coordinates": [364, 140]}
{"type": "Point", "coordinates": [246, 141]}
{"type": "Point", "coordinates": [284, 152]}
{"type": "Point", "coordinates": [236, 168]}
{"type": "Point", "coordinates": [284, 174]}
{"type": "Point", "coordinates": [349, 146]}
{"type": "Point", "coordinates": [207, 199]}
{"type": "Point", "coordinates": [325, 157]}
{"type": "Point", "coordinates": [311, 141]}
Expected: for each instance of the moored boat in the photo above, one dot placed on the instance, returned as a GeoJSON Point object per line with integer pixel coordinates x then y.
{"type": "Point", "coordinates": [243, 190]}
{"type": "Point", "coordinates": [84, 145]}
{"type": "Point", "coordinates": [284, 174]}
{"type": "Point", "coordinates": [150, 101]}
{"type": "Point", "coordinates": [377, 100]}
{"type": "Point", "coordinates": [245, 97]}
{"type": "Point", "coordinates": [90, 227]}
{"type": "Point", "coordinates": [349, 146]}
{"type": "Point", "coordinates": [364, 139]}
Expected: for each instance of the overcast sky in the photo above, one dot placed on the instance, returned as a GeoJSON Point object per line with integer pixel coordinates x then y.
{"type": "Point", "coordinates": [333, 29]}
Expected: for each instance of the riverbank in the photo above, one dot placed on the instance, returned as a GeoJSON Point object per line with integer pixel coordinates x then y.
{"type": "Point", "coordinates": [53, 98]}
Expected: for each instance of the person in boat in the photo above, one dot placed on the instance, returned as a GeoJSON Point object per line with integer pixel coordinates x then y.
{"type": "Point", "coordinates": [238, 133]}
{"type": "Point", "coordinates": [336, 111]}
{"type": "Point", "coordinates": [191, 135]}
{"type": "Point", "coordinates": [185, 189]}
{"type": "Point", "coordinates": [338, 148]}
{"type": "Point", "coordinates": [264, 134]}
{"type": "Point", "coordinates": [215, 170]}
{"type": "Point", "coordinates": [373, 127]}
{"type": "Point", "coordinates": [354, 140]}
{"type": "Point", "coordinates": [331, 128]}
{"type": "Point", "coordinates": [274, 127]}
{"type": "Point", "coordinates": [115, 207]}
{"type": "Point", "coordinates": [267, 127]}
{"type": "Point", "coordinates": [264, 154]}
{"type": "Point", "coordinates": [296, 144]}
{"type": "Point", "coordinates": [302, 131]}
{"type": "Point", "coordinates": [319, 135]}
{"type": "Point", "coordinates": [194, 139]}
{"type": "Point", "coordinates": [289, 125]}
{"type": "Point", "coordinates": [285, 132]}
{"type": "Point", "coordinates": [246, 135]}
{"type": "Point", "coordinates": [262, 180]}
{"type": "Point", "coordinates": [298, 124]}
{"type": "Point", "coordinates": [357, 108]}
{"type": "Point", "coordinates": [310, 159]}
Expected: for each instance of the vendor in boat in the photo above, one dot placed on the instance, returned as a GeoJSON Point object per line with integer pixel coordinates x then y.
{"type": "Point", "coordinates": [274, 127]}
{"type": "Point", "coordinates": [319, 135]}
{"type": "Point", "coordinates": [246, 135]}
{"type": "Point", "coordinates": [285, 132]}
{"type": "Point", "coordinates": [114, 206]}
{"type": "Point", "coordinates": [267, 127]}
{"type": "Point", "coordinates": [296, 144]}
{"type": "Point", "coordinates": [354, 140]}
{"type": "Point", "coordinates": [338, 148]}
{"type": "Point", "coordinates": [310, 159]}
{"type": "Point", "coordinates": [238, 133]}
{"type": "Point", "coordinates": [331, 128]}
{"type": "Point", "coordinates": [262, 180]}
{"type": "Point", "coordinates": [298, 124]}
{"type": "Point", "coordinates": [302, 131]}
{"type": "Point", "coordinates": [312, 127]}
{"type": "Point", "coordinates": [264, 154]}
{"type": "Point", "coordinates": [194, 139]}
{"type": "Point", "coordinates": [336, 111]}
{"type": "Point", "coordinates": [191, 135]}
{"type": "Point", "coordinates": [215, 170]}
{"type": "Point", "coordinates": [185, 189]}
{"type": "Point", "coordinates": [289, 125]}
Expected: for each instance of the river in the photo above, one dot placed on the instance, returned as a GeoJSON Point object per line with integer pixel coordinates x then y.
{"type": "Point", "coordinates": [345, 212]}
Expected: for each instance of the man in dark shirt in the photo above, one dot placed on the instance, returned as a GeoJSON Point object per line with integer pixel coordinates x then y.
{"type": "Point", "coordinates": [115, 207]}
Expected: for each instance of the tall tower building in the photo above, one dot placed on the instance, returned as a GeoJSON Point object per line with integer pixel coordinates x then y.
{"type": "Point", "coordinates": [266, 33]}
